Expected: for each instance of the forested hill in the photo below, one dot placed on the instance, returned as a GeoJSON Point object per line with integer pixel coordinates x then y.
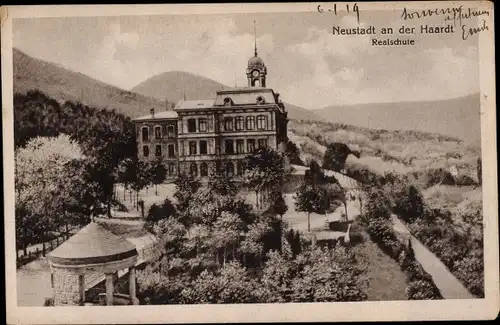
{"type": "Point", "coordinates": [96, 130]}
{"type": "Point", "coordinates": [63, 84]}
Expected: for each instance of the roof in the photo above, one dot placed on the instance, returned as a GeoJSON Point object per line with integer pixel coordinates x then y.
{"type": "Point", "coordinates": [158, 115]}
{"type": "Point", "coordinates": [194, 104]}
{"type": "Point", "coordinates": [92, 245]}
{"type": "Point", "coordinates": [245, 96]}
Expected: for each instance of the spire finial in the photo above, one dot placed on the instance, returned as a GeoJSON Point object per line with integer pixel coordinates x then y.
{"type": "Point", "coordinates": [255, 38]}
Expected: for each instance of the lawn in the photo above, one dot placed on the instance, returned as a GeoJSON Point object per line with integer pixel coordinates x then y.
{"type": "Point", "coordinates": [385, 278]}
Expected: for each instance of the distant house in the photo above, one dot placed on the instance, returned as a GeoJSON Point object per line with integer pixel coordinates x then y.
{"type": "Point", "coordinates": [201, 135]}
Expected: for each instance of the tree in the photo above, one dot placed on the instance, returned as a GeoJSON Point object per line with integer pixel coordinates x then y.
{"type": "Point", "coordinates": [230, 284]}
{"type": "Point", "coordinates": [186, 187]}
{"type": "Point", "coordinates": [264, 170]}
{"type": "Point", "coordinates": [42, 174]}
{"type": "Point", "coordinates": [309, 199]}
{"type": "Point", "coordinates": [226, 233]}
{"type": "Point", "coordinates": [222, 184]}
{"type": "Point", "coordinates": [157, 213]}
{"type": "Point", "coordinates": [336, 155]}
{"type": "Point", "coordinates": [337, 193]}
{"type": "Point", "coordinates": [327, 275]}
{"type": "Point", "coordinates": [279, 205]}
{"type": "Point", "coordinates": [170, 234]}
{"type": "Point", "coordinates": [293, 153]}
{"type": "Point", "coordinates": [159, 173]}
{"type": "Point", "coordinates": [409, 203]}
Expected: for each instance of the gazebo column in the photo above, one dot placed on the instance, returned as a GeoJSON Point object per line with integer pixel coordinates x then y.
{"type": "Point", "coordinates": [109, 289]}
{"type": "Point", "coordinates": [81, 287]}
{"type": "Point", "coordinates": [131, 284]}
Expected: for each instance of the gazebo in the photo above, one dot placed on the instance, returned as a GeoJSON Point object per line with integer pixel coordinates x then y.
{"type": "Point", "coordinates": [89, 254]}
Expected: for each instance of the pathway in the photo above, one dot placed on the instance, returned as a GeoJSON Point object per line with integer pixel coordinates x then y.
{"type": "Point", "coordinates": [449, 286]}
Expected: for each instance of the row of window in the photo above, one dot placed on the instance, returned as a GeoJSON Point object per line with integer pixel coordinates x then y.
{"type": "Point", "coordinates": [158, 151]}
{"type": "Point", "coordinates": [158, 133]}
{"type": "Point", "coordinates": [229, 169]}
{"type": "Point", "coordinates": [238, 123]}
{"type": "Point", "coordinates": [231, 147]}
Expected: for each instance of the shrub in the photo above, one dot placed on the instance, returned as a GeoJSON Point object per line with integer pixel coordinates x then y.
{"type": "Point", "coordinates": [409, 204]}
{"type": "Point", "coordinates": [159, 212]}
{"type": "Point", "coordinates": [465, 180]}
{"type": "Point", "coordinates": [439, 176]}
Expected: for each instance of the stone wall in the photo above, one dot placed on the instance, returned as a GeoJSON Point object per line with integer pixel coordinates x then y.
{"type": "Point", "coordinates": [66, 290]}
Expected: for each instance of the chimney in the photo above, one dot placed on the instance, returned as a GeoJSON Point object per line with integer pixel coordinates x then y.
{"type": "Point", "coordinates": [153, 112]}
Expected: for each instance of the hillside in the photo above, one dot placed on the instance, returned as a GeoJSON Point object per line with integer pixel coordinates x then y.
{"type": "Point", "coordinates": [172, 85]}
{"type": "Point", "coordinates": [403, 152]}
{"type": "Point", "coordinates": [63, 84]}
{"type": "Point", "coordinates": [458, 117]}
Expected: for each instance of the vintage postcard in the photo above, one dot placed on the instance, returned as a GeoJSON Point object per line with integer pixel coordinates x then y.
{"type": "Point", "coordinates": [250, 162]}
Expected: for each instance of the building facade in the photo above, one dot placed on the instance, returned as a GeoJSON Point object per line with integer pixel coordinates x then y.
{"type": "Point", "coordinates": [201, 136]}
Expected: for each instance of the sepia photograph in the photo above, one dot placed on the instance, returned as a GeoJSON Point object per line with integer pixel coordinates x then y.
{"type": "Point", "coordinates": [251, 157]}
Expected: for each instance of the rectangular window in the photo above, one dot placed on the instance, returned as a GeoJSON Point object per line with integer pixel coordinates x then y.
{"type": "Point", "coordinates": [261, 122]}
{"type": "Point", "coordinates": [228, 123]}
{"type": "Point", "coordinates": [158, 150]}
{"type": "Point", "coordinates": [171, 150]}
{"type": "Point", "coordinates": [202, 124]}
{"type": "Point", "coordinates": [211, 146]}
{"type": "Point", "coordinates": [240, 146]}
{"type": "Point", "coordinates": [145, 151]}
{"type": "Point", "coordinates": [239, 123]}
{"type": "Point", "coordinates": [250, 145]}
{"type": "Point", "coordinates": [145, 133]}
{"type": "Point", "coordinates": [203, 147]}
{"type": "Point", "coordinates": [262, 143]}
{"type": "Point", "coordinates": [171, 169]}
{"type": "Point", "coordinates": [250, 123]}
{"type": "Point", "coordinates": [192, 125]}
{"type": "Point", "coordinates": [229, 144]}
{"type": "Point", "coordinates": [192, 148]}
{"type": "Point", "coordinates": [157, 132]}
{"type": "Point", "coordinates": [171, 131]}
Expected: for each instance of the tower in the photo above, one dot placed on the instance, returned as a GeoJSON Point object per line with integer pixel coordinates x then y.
{"type": "Point", "coordinates": [256, 69]}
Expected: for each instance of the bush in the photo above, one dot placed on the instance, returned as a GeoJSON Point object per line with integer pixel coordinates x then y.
{"type": "Point", "coordinates": [159, 212]}
{"type": "Point", "coordinates": [465, 180]}
{"type": "Point", "coordinates": [439, 176]}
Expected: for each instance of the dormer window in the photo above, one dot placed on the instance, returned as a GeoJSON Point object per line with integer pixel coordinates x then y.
{"type": "Point", "coordinates": [260, 100]}
{"type": "Point", "coordinates": [228, 101]}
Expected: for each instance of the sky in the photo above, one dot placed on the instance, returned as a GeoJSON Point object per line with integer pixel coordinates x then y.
{"type": "Point", "coordinates": [307, 64]}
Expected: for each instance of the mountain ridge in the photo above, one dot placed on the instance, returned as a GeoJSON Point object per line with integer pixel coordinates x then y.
{"type": "Point", "coordinates": [457, 117]}
{"type": "Point", "coordinates": [64, 85]}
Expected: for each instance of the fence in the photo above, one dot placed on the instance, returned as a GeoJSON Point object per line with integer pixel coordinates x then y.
{"type": "Point", "coordinates": [36, 251]}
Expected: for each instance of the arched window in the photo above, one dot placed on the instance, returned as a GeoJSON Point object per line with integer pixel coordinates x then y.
{"type": "Point", "coordinates": [261, 122]}
{"type": "Point", "coordinates": [260, 100]}
{"type": "Point", "coordinates": [203, 170]}
{"type": "Point", "coordinates": [250, 123]}
{"type": "Point", "coordinates": [228, 101]}
{"type": "Point", "coordinates": [193, 170]}
{"type": "Point", "coordinates": [145, 133]}
{"type": "Point", "coordinates": [230, 169]}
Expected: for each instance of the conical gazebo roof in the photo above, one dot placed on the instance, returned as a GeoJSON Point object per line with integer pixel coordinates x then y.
{"type": "Point", "coordinates": [92, 245]}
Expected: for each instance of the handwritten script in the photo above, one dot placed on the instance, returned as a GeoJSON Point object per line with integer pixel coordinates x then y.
{"type": "Point", "coordinates": [335, 9]}
{"type": "Point", "coordinates": [454, 14]}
